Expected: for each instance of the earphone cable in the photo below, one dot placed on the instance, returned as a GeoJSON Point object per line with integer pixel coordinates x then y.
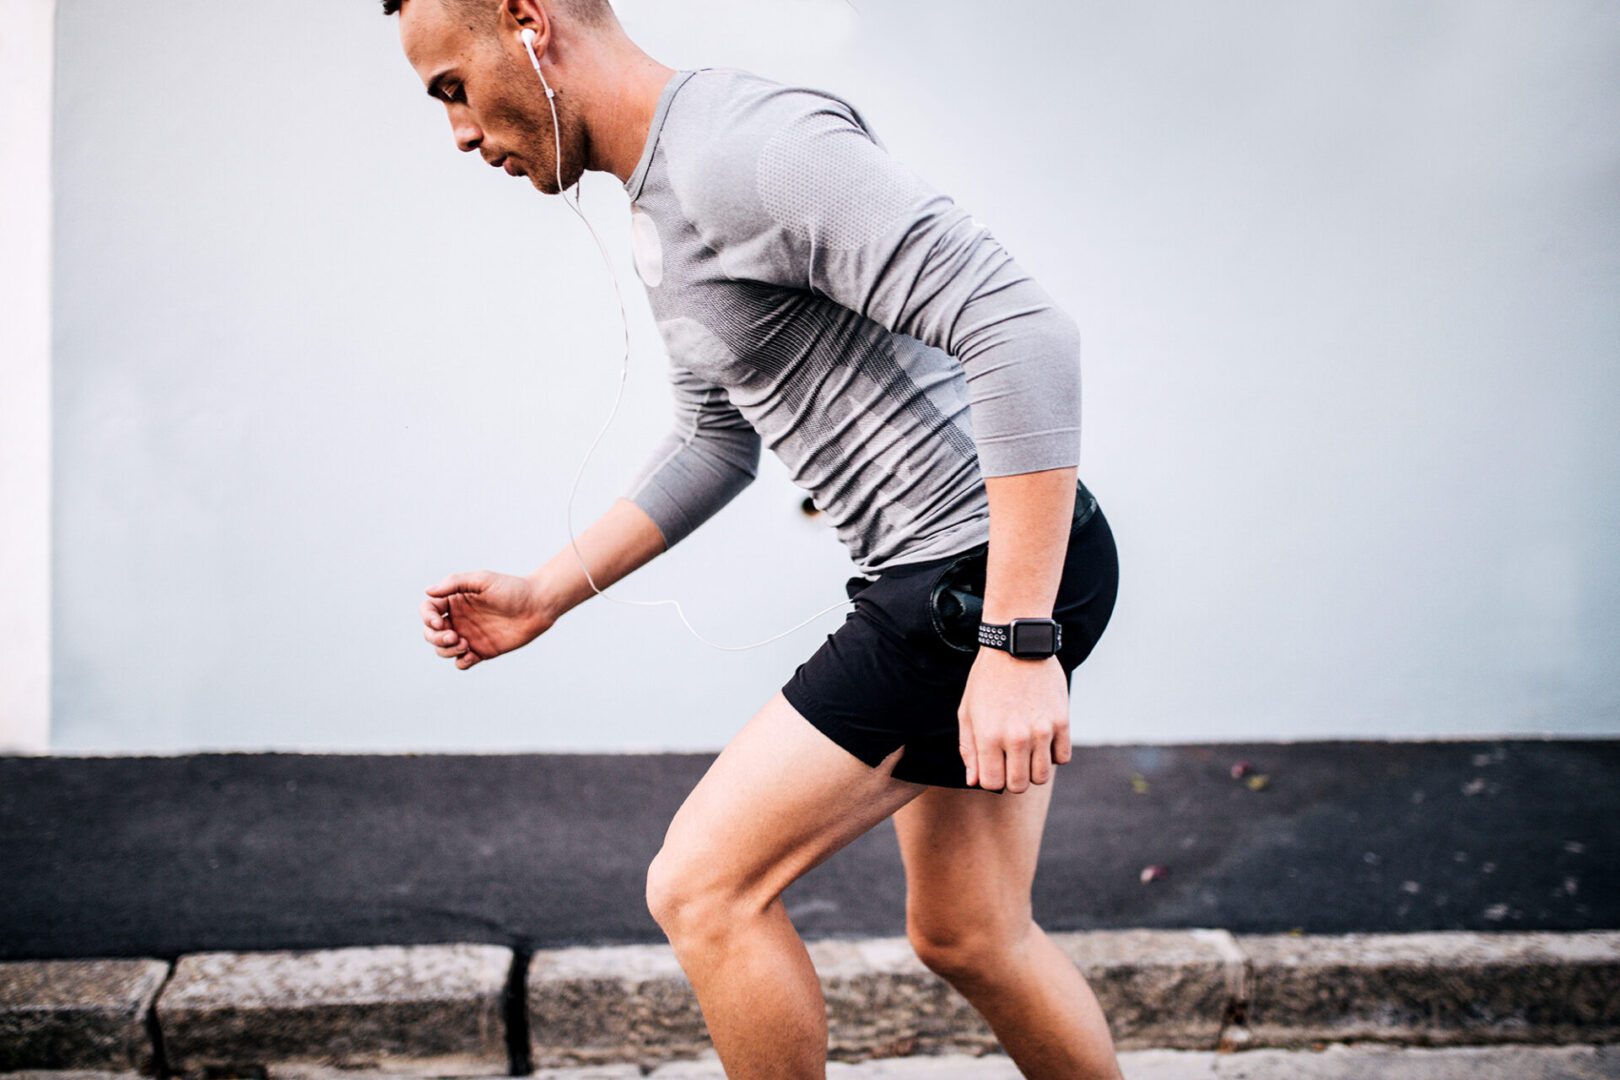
{"type": "Point", "coordinates": [624, 374]}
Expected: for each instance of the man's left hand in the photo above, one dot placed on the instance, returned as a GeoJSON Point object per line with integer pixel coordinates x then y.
{"type": "Point", "coordinates": [1014, 721]}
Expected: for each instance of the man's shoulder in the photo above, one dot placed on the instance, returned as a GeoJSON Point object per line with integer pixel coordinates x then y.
{"type": "Point", "coordinates": [727, 118]}
{"type": "Point", "coordinates": [743, 142]}
{"type": "Point", "coordinates": [747, 100]}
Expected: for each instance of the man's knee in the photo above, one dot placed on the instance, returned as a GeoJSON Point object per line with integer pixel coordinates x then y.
{"type": "Point", "coordinates": [665, 888]}
{"type": "Point", "coordinates": [684, 897]}
{"type": "Point", "coordinates": [967, 948]}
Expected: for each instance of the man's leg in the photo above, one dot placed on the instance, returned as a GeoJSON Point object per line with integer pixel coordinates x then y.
{"type": "Point", "coordinates": [970, 864]}
{"type": "Point", "coordinates": [780, 799]}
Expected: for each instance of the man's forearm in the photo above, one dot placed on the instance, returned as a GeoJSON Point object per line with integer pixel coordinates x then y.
{"type": "Point", "coordinates": [1030, 514]}
{"type": "Point", "coordinates": [621, 540]}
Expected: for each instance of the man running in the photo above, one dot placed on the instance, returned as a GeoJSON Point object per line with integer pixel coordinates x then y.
{"type": "Point", "coordinates": [815, 295]}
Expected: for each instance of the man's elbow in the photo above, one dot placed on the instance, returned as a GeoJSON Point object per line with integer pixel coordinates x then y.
{"type": "Point", "coordinates": [753, 457]}
{"type": "Point", "coordinates": [746, 455]}
{"type": "Point", "coordinates": [735, 449]}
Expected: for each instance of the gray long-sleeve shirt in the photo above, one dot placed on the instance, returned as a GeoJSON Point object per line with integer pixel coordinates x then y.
{"type": "Point", "coordinates": [814, 292]}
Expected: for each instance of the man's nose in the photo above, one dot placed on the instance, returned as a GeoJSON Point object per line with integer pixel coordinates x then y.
{"type": "Point", "coordinates": [468, 136]}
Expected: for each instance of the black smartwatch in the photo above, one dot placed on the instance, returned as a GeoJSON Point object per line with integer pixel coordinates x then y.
{"type": "Point", "coordinates": [1030, 639]}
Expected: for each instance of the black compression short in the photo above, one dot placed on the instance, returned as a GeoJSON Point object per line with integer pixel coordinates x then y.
{"type": "Point", "coordinates": [895, 672]}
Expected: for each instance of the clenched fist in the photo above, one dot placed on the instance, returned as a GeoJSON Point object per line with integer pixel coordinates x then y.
{"type": "Point", "coordinates": [482, 614]}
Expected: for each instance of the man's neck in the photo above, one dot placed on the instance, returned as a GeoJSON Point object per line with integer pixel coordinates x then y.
{"type": "Point", "coordinates": [619, 117]}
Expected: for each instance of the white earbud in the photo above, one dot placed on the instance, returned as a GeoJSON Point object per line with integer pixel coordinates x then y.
{"type": "Point", "coordinates": [528, 35]}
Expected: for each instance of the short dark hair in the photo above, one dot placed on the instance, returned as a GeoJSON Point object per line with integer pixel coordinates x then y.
{"type": "Point", "coordinates": [585, 12]}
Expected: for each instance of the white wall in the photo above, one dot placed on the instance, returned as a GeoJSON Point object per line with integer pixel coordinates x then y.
{"type": "Point", "coordinates": [26, 54]}
{"type": "Point", "coordinates": [1345, 271]}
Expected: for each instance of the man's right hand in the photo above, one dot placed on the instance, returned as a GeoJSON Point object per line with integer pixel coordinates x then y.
{"type": "Point", "coordinates": [482, 614]}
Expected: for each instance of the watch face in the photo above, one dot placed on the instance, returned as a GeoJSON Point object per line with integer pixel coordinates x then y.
{"type": "Point", "coordinates": [1038, 638]}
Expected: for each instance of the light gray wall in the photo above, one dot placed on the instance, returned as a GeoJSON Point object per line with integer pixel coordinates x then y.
{"type": "Point", "coordinates": [1346, 274]}
{"type": "Point", "coordinates": [26, 54]}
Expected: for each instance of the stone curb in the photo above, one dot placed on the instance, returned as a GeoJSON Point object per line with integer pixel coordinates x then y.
{"type": "Point", "coordinates": [88, 1015]}
{"type": "Point", "coordinates": [598, 1006]}
{"type": "Point", "coordinates": [442, 1010]}
{"type": "Point", "coordinates": [1432, 989]}
{"type": "Point", "coordinates": [431, 1010]}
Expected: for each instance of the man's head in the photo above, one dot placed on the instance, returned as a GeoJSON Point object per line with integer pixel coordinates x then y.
{"type": "Point", "coordinates": [469, 55]}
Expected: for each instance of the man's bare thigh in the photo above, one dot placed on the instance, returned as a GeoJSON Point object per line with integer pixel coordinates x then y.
{"type": "Point", "coordinates": [779, 800]}
{"type": "Point", "coordinates": [970, 858]}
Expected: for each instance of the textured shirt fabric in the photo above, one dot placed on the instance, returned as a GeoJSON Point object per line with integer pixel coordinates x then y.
{"type": "Point", "coordinates": [816, 295]}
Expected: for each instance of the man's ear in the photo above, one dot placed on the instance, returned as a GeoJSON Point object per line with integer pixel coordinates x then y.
{"type": "Point", "coordinates": [518, 14]}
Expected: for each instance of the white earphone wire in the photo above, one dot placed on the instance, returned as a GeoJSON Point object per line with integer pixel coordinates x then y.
{"type": "Point", "coordinates": [528, 43]}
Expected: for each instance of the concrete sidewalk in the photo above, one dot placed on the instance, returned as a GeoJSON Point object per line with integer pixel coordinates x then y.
{"type": "Point", "coordinates": [1337, 1061]}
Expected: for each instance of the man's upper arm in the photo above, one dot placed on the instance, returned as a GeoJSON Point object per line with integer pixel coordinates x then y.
{"type": "Point", "coordinates": [801, 194]}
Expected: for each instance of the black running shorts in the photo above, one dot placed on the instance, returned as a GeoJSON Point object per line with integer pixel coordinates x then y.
{"type": "Point", "coordinates": [895, 672]}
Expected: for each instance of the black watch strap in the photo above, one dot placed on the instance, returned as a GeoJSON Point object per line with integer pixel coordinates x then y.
{"type": "Point", "coordinates": [1026, 638]}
